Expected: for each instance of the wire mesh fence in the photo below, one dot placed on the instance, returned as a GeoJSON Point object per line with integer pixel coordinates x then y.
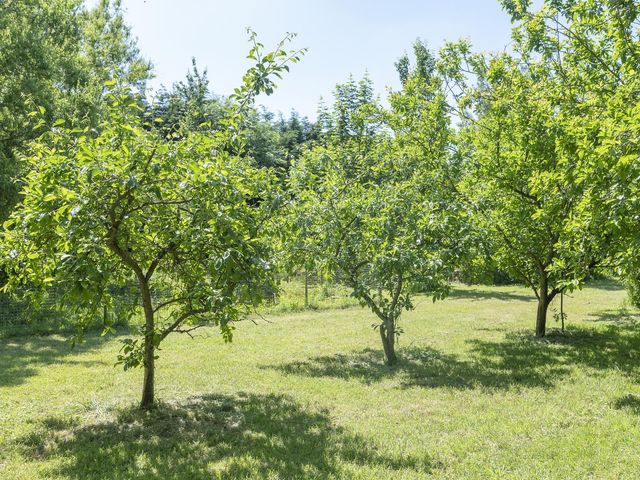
{"type": "Point", "coordinates": [51, 314]}
{"type": "Point", "coordinates": [306, 290]}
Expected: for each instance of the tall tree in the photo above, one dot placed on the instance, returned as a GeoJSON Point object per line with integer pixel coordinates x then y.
{"type": "Point", "coordinates": [56, 55]}
{"type": "Point", "coordinates": [354, 114]}
{"type": "Point", "coordinates": [295, 135]}
{"type": "Point", "coordinates": [593, 49]}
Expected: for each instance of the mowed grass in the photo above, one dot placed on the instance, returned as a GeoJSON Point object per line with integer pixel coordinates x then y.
{"type": "Point", "coordinates": [307, 396]}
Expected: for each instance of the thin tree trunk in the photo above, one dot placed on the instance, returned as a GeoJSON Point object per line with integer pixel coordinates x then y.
{"type": "Point", "coordinates": [148, 385]}
{"type": "Point", "coordinates": [541, 319]}
{"type": "Point", "coordinates": [148, 390]}
{"type": "Point", "coordinates": [388, 336]}
{"type": "Point", "coordinates": [543, 304]}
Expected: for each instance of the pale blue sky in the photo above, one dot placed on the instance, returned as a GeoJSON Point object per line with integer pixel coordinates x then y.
{"type": "Point", "coordinates": [343, 37]}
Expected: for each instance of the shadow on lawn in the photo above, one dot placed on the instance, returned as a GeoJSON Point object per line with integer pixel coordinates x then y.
{"type": "Point", "coordinates": [477, 293]}
{"type": "Point", "coordinates": [226, 437]}
{"type": "Point", "coordinates": [427, 367]}
{"type": "Point", "coordinates": [629, 402]}
{"type": "Point", "coordinates": [22, 357]}
{"type": "Point", "coordinates": [517, 361]}
{"type": "Point", "coordinates": [620, 316]}
{"type": "Point", "coordinates": [606, 284]}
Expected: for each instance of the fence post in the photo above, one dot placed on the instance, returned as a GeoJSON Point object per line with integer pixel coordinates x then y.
{"type": "Point", "coordinates": [306, 288]}
{"type": "Point", "coordinates": [562, 308]}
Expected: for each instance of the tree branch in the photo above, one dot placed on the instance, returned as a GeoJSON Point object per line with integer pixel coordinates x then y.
{"type": "Point", "coordinates": [156, 261]}
{"type": "Point", "coordinates": [179, 320]}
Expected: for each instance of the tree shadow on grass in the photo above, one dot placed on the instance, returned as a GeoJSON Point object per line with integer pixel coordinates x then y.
{"type": "Point", "coordinates": [606, 284]}
{"type": "Point", "coordinates": [429, 368]}
{"type": "Point", "coordinates": [612, 347]}
{"type": "Point", "coordinates": [23, 357]}
{"type": "Point", "coordinates": [478, 293]}
{"type": "Point", "coordinates": [517, 361]}
{"type": "Point", "coordinates": [618, 316]}
{"type": "Point", "coordinates": [630, 403]}
{"type": "Point", "coordinates": [212, 436]}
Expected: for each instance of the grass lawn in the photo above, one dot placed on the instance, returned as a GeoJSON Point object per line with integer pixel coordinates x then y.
{"type": "Point", "coordinates": [307, 396]}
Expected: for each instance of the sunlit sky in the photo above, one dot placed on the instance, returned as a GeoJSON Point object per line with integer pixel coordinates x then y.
{"type": "Point", "coordinates": [343, 37]}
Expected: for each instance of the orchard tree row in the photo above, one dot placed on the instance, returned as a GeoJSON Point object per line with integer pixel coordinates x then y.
{"type": "Point", "coordinates": [527, 160]}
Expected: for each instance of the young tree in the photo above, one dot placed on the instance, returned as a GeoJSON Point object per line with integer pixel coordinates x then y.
{"type": "Point", "coordinates": [371, 210]}
{"type": "Point", "coordinates": [183, 217]}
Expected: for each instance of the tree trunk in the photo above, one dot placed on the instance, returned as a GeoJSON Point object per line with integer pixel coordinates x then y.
{"type": "Point", "coordinates": [388, 336]}
{"type": "Point", "coordinates": [541, 318]}
{"type": "Point", "coordinates": [148, 385]}
{"type": "Point", "coordinates": [543, 304]}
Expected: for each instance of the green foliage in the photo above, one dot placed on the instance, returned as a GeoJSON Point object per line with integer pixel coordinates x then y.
{"type": "Point", "coordinates": [295, 135]}
{"type": "Point", "coordinates": [478, 267]}
{"type": "Point", "coordinates": [355, 114]}
{"type": "Point", "coordinates": [425, 63]}
{"type": "Point", "coordinates": [632, 282]}
{"type": "Point", "coordinates": [98, 209]}
{"type": "Point", "coordinates": [56, 56]}
{"type": "Point", "coordinates": [190, 106]}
